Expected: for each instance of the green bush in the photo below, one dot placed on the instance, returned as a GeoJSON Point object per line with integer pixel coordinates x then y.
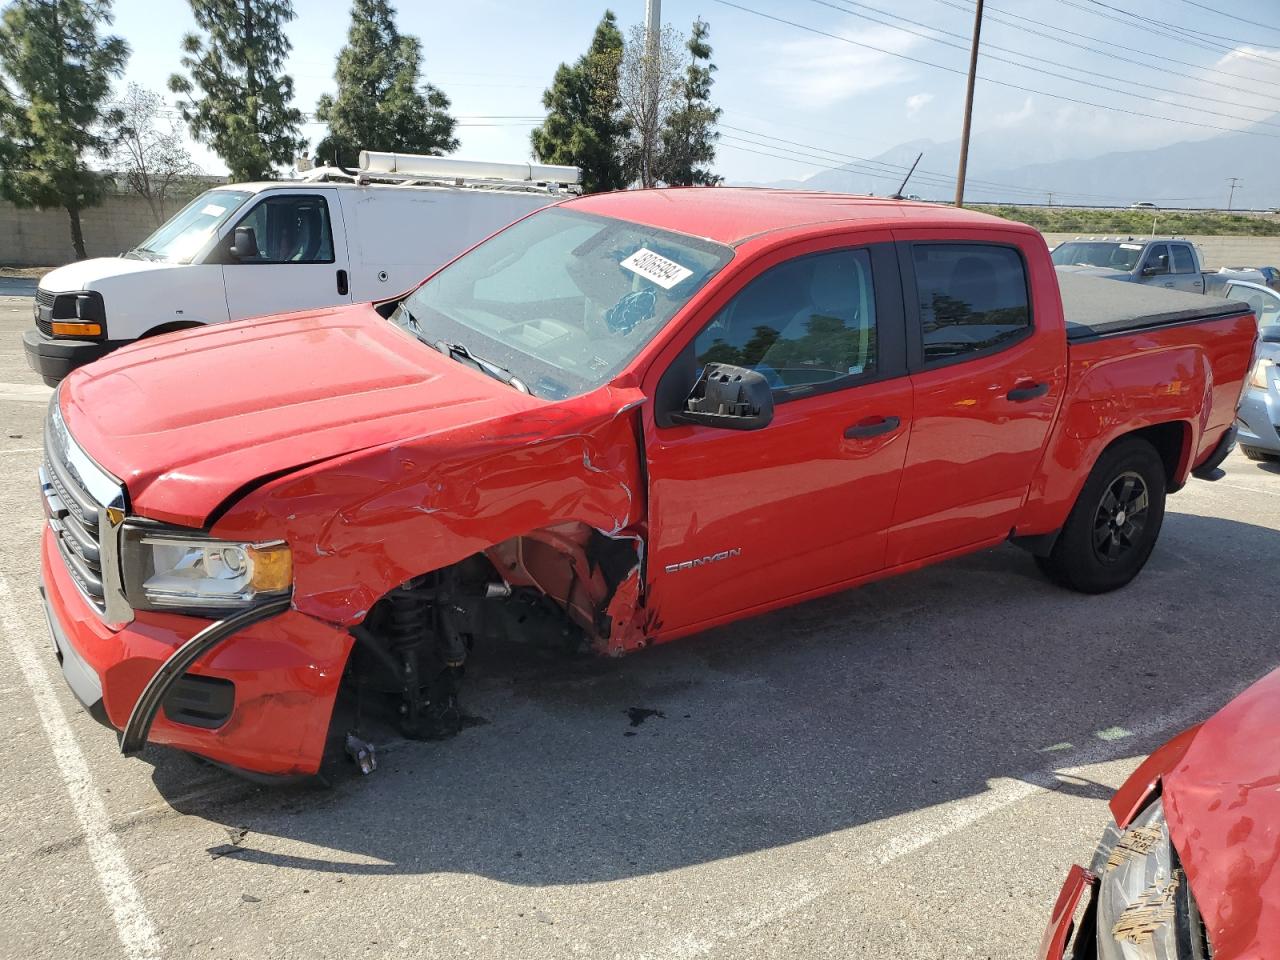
{"type": "Point", "coordinates": [1139, 222]}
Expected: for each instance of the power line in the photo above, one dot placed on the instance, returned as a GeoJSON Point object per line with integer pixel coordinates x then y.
{"type": "Point", "coordinates": [998, 16]}
{"type": "Point", "coordinates": [1001, 83]}
{"type": "Point", "coordinates": [1177, 34]}
{"type": "Point", "coordinates": [1125, 80]}
{"type": "Point", "coordinates": [1232, 16]}
{"type": "Point", "coordinates": [895, 170]}
{"type": "Point", "coordinates": [1193, 31]}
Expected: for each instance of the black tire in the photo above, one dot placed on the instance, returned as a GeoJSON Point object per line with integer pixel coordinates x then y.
{"type": "Point", "coordinates": [1262, 456]}
{"type": "Point", "coordinates": [1115, 522]}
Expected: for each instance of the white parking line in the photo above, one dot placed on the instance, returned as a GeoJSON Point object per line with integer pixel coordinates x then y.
{"type": "Point", "coordinates": [948, 818]}
{"type": "Point", "coordinates": [25, 392]}
{"type": "Point", "coordinates": [133, 925]}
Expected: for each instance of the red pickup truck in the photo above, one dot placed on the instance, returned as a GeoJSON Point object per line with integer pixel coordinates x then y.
{"type": "Point", "coordinates": [621, 420]}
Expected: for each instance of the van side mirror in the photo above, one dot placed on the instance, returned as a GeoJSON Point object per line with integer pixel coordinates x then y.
{"type": "Point", "coordinates": [733, 398]}
{"type": "Point", "coordinates": [245, 246]}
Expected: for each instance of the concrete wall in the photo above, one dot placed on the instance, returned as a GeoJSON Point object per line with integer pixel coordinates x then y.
{"type": "Point", "coordinates": [1218, 251]}
{"type": "Point", "coordinates": [42, 238]}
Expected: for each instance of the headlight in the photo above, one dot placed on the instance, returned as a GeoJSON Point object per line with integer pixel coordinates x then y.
{"type": "Point", "coordinates": [175, 570]}
{"type": "Point", "coordinates": [1145, 909]}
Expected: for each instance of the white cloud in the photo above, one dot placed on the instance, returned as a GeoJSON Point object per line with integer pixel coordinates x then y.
{"type": "Point", "coordinates": [820, 72]}
{"type": "Point", "coordinates": [916, 102]}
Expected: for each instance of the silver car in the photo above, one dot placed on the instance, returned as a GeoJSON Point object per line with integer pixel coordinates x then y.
{"type": "Point", "coordinates": [1258, 420]}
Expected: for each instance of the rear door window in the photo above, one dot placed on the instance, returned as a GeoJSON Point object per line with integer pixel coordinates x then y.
{"type": "Point", "coordinates": [1183, 262]}
{"type": "Point", "coordinates": [805, 323]}
{"type": "Point", "coordinates": [972, 298]}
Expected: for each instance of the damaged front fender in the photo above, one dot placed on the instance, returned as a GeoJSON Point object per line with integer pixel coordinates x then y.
{"type": "Point", "coordinates": [570, 473]}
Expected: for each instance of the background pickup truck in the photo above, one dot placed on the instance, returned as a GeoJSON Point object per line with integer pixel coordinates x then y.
{"type": "Point", "coordinates": [624, 419]}
{"type": "Point", "coordinates": [1157, 262]}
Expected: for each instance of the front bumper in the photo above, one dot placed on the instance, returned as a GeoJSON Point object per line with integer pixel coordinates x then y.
{"type": "Point", "coordinates": [285, 671]}
{"type": "Point", "coordinates": [54, 358]}
{"type": "Point", "coordinates": [1258, 419]}
{"type": "Point", "coordinates": [1061, 930]}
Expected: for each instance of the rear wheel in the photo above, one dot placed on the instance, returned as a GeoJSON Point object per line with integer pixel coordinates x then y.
{"type": "Point", "coordinates": [1262, 456]}
{"type": "Point", "coordinates": [1113, 526]}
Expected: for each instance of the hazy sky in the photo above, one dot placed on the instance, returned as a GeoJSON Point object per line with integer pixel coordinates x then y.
{"type": "Point", "coordinates": [828, 96]}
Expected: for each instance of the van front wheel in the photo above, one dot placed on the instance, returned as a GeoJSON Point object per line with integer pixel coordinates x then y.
{"type": "Point", "coordinates": [1115, 522]}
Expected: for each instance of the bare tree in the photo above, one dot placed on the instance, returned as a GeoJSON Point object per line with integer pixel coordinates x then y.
{"type": "Point", "coordinates": [650, 90]}
{"type": "Point", "coordinates": [148, 150]}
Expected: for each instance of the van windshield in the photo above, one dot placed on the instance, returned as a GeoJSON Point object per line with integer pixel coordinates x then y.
{"type": "Point", "coordinates": [181, 237]}
{"type": "Point", "coordinates": [1116, 255]}
{"type": "Point", "coordinates": [562, 300]}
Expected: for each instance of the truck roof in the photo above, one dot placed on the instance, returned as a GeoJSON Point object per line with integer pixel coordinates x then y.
{"type": "Point", "coordinates": [732, 215]}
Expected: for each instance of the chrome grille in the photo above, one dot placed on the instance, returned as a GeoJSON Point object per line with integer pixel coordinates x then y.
{"type": "Point", "coordinates": [85, 507]}
{"type": "Point", "coordinates": [44, 297]}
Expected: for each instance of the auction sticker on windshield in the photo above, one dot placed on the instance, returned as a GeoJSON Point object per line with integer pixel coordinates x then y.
{"type": "Point", "coordinates": [656, 268]}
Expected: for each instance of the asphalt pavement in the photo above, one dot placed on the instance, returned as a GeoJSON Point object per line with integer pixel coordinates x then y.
{"type": "Point", "coordinates": [905, 770]}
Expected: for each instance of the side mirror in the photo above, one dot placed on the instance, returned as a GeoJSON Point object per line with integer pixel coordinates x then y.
{"type": "Point", "coordinates": [245, 246]}
{"type": "Point", "coordinates": [733, 398]}
{"type": "Point", "coordinates": [1150, 270]}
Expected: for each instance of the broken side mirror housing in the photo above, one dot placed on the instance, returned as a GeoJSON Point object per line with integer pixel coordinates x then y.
{"type": "Point", "coordinates": [733, 398]}
{"type": "Point", "coordinates": [246, 244]}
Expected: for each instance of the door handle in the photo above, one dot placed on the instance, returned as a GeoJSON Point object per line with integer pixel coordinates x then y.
{"type": "Point", "coordinates": [1023, 394]}
{"type": "Point", "coordinates": [342, 283]}
{"type": "Point", "coordinates": [871, 428]}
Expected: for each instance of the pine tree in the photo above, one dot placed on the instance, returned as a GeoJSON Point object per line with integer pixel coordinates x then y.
{"type": "Point", "coordinates": [583, 127]}
{"type": "Point", "coordinates": [55, 77]}
{"type": "Point", "coordinates": [237, 95]}
{"type": "Point", "coordinates": [382, 104]}
{"type": "Point", "coordinates": [689, 137]}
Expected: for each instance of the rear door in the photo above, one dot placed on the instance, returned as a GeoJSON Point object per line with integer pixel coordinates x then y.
{"type": "Point", "coordinates": [1185, 271]}
{"type": "Point", "coordinates": [742, 519]}
{"type": "Point", "coordinates": [986, 381]}
{"type": "Point", "coordinates": [302, 255]}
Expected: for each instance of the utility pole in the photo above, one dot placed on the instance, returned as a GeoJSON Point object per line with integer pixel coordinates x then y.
{"type": "Point", "coordinates": [968, 106]}
{"type": "Point", "coordinates": [652, 44]}
{"type": "Point", "coordinates": [1051, 198]}
{"type": "Point", "coordinates": [1232, 195]}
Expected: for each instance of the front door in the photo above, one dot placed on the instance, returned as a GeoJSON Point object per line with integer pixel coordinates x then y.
{"type": "Point", "coordinates": [742, 519]}
{"type": "Point", "coordinates": [986, 384]}
{"type": "Point", "coordinates": [301, 261]}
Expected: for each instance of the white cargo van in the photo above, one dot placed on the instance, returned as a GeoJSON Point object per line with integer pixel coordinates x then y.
{"type": "Point", "coordinates": [244, 250]}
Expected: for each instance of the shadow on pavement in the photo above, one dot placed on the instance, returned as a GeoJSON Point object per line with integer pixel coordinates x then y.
{"type": "Point", "coordinates": [844, 711]}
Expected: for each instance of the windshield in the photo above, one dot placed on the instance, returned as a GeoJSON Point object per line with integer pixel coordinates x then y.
{"type": "Point", "coordinates": [1094, 253]}
{"type": "Point", "coordinates": [561, 300]}
{"type": "Point", "coordinates": [181, 237]}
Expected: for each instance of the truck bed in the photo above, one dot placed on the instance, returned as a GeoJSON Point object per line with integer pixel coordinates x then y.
{"type": "Point", "coordinates": [1097, 307]}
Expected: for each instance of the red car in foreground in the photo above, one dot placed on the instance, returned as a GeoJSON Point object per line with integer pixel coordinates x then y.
{"type": "Point", "coordinates": [623, 419]}
{"type": "Point", "coordinates": [1190, 867]}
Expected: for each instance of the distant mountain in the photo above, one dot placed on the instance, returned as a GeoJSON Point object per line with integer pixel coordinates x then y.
{"type": "Point", "coordinates": [1187, 174]}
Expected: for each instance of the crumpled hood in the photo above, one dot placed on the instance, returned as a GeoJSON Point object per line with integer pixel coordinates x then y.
{"type": "Point", "coordinates": [1108, 272]}
{"type": "Point", "coordinates": [188, 419]}
{"type": "Point", "coordinates": [1222, 802]}
{"type": "Point", "coordinates": [87, 274]}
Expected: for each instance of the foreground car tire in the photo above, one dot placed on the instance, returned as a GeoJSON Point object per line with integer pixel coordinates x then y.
{"type": "Point", "coordinates": [1262, 456]}
{"type": "Point", "coordinates": [1115, 522]}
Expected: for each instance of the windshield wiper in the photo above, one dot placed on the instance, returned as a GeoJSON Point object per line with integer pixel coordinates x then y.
{"type": "Point", "coordinates": [459, 352]}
